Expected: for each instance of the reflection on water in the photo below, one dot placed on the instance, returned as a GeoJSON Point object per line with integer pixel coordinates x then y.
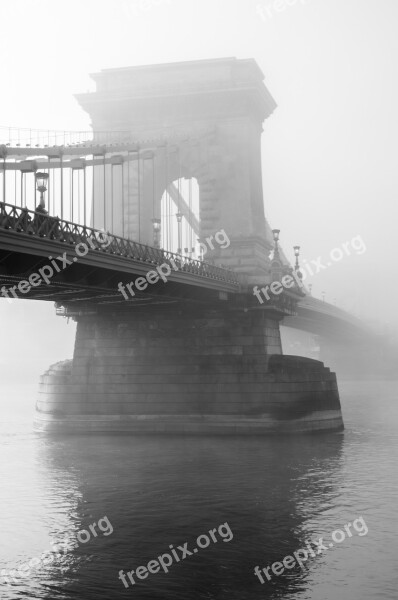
{"type": "Point", "coordinates": [275, 493]}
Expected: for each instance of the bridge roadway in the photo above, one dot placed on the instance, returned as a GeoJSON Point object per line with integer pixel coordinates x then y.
{"type": "Point", "coordinates": [29, 240]}
{"type": "Point", "coordinates": [328, 321]}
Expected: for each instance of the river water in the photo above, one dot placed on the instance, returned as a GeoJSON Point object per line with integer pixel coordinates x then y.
{"type": "Point", "coordinates": [272, 496]}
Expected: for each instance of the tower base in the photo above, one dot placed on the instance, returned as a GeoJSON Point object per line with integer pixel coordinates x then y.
{"type": "Point", "coordinates": [179, 372]}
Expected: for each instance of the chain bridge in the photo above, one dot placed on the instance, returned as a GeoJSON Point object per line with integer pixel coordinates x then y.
{"type": "Point", "coordinates": [150, 232]}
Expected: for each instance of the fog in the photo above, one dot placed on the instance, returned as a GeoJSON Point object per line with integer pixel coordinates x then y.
{"type": "Point", "coordinates": [190, 427]}
{"type": "Point", "coordinates": [329, 149]}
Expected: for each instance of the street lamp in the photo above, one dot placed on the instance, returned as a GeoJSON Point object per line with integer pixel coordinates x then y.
{"type": "Point", "coordinates": [41, 186]}
{"type": "Point", "coordinates": [297, 254]}
{"type": "Point", "coordinates": [179, 216]}
{"type": "Point", "coordinates": [276, 233]}
{"type": "Point", "coordinates": [200, 249]}
{"type": "Point", "coordinates": [297, 265]}
{"type": "Point", "coordinates": [276, 263]}
{"type": "Point", "coordinates": [156, 223]}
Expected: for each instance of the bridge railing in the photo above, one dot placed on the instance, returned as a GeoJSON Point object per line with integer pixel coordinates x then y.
{"type": "Point", "coordinates": [39, 223]}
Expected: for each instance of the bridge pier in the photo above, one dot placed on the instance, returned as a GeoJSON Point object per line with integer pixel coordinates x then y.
{"type": "Point", "coordinates": [175, 369]}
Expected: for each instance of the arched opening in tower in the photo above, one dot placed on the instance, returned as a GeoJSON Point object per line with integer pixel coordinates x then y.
{"type": "Point", "coordinates": [180, 228]}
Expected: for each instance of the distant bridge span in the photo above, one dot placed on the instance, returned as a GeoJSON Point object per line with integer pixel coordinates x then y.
{"type": "Point", "coordinates": [324, 319]}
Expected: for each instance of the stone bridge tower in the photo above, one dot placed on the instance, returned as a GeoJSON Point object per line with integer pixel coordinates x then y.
{"type": "Point", "coordinates": [205, 119]}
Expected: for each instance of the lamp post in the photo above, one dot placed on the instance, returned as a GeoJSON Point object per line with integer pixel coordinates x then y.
{"type": "Point", "coordinates": [200, 257]}
{"type": "Point", "coordinates": [179, 219]}
{"type": "Point", "coordinates": [156, 232]}
{"type": "Point", "coordinates": [276, 263]}
{"type": "Point", "coordinates": [276, 233]}
{"type": "Point", "coordinates": [297, 265]}
{"type": "Point", "coordinates": [41, 186]}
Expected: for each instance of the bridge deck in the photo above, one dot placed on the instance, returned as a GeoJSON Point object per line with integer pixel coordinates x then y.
{"type": "Point", "coordinates": [95, 262]}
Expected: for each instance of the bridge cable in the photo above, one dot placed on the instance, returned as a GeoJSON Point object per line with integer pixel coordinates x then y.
{"type": "Point", "coordinates": [84, 196]}
{"type": "Point", "coordinates": [171, 220]}
{"type": "Point", "coordinates": [166, 219]}
{"type": "Point", "coordinates": [93, 197]}
{"type": "Point", "coordinates": [62, 186]}
{"type": "Point", "coordinates": [123, 198]}
{"type": "Point", "coordinates": [128, 190]}
{"type": "Point", "coordinates": [112, 197]}
{"type": "Point", "coordinates": [49, 187]}
{"type": "Point", "coordinates": [53, 191]}
{"type": "Point", "coordinates": [153, 186]}
{"type": "Point", "coordinates": [169, 207]}
{"type": "Point", "coordinates": [15, 185]}
{"type": "Point", "coordinates": [4, 179]}
{"type": "Point", "coordinates": [179, 251]}
{"type": "Point", "coordinates": [165, 225]}
{"type": "Point", "coordinates": [78, 196]}
{"type": "Point", "coordinates": [191, 248]}
{"type": "Point", "coordinates": [26, 199]}
{"type": "Point", "coordinates": [34, 193]}
{"type": "Point", "coordinates": [71, 195]}
{"type": "Point", "coordinates": [104, 191]}
{"type": "Point", "coordinates": [139, 190]}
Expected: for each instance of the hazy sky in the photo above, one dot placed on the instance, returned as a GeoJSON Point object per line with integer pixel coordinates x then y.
{"type": "Point", "coordinates": [329, 149]}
